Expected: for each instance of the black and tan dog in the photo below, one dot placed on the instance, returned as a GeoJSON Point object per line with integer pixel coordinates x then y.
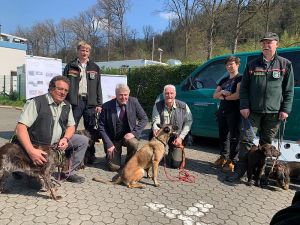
{"type": "Point", "coordinates": [283, 172]}
{"type": "Point", "coordinates": [14, 158]}
{"type": "Point", "coordinates": [146, 157]}
{"type": "Point", "coordinates": [257, 161]}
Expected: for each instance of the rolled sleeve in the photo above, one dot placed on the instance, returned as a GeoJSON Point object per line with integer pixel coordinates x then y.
{"type": "Point", "coordinates": [28, 114]}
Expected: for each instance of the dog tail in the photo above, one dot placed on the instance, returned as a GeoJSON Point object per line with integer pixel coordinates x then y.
{"type": "Point", "coordinates": [100, 180]}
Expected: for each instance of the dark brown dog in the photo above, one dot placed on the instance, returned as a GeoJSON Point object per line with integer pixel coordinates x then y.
{"type": "Point", "coordinates": [146, 157]}
{"type": "Point", "coordinates": [283, 172]}
{"type": "Point", "coordinates": [257, 160]}
{"type": "Point", "coordinates": [14, 158]}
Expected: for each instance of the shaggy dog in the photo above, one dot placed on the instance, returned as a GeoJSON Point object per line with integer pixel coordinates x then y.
{"type": "Point", "coordinates": [256, 161]}
{"type": "Point", "coordinates": [148, 156]}
{"type": "Point", "coordinates": [283, 172]}
{"type": "Point", "coordinates": [15, 158]}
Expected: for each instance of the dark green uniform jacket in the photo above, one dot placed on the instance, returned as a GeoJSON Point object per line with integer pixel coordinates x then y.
{"type": "Point", "coordinates": [268, 88]}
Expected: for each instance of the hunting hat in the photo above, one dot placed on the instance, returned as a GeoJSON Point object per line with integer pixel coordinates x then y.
{"type": "Point", "coordinates": [270, 36]}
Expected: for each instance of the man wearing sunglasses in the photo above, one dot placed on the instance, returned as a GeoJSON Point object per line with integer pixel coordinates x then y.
{"type": "Point", "coordinates": [48, 119]}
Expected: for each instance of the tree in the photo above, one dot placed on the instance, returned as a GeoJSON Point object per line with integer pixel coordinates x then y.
{"type": "Point", "coordinates": [212, 8]}
{"type": "Point", "coordinates": [185, 11]}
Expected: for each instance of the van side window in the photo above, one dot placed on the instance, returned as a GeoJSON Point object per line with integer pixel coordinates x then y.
{"type": "Point", "coordinates": [208, 77]}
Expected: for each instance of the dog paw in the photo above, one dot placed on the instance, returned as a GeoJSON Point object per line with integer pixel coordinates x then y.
{"type": "Point", "coordinates": [156, 184]}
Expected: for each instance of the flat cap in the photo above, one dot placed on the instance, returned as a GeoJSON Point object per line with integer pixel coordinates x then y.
{"type": "Point", "coordinates": [270, 36]}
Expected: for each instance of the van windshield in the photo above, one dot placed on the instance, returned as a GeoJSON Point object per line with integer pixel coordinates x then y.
{"type": "Point", "coordinates": [208, 77]}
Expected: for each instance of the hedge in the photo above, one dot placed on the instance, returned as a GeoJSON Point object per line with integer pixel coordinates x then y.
{"type": "Point", "coordinates": [146, 83]}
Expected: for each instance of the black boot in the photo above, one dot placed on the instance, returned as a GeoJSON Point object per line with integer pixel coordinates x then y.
{"type": "Point", "coordinates": [236, 176]}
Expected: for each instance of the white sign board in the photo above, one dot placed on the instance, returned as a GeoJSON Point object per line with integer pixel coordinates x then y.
{"type": "Point", "coordinates": [109, 83]}
{"type": "Point", "coordinates": [38, 72]}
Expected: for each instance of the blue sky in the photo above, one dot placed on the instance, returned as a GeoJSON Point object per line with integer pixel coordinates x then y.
{"type": "Point", "coordinates": [26, 13]}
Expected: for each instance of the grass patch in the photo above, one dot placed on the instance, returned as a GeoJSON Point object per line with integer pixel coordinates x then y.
{"type": "Point", "coordinates": [5, 100]}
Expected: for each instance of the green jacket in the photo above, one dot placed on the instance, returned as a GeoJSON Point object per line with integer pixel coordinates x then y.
{"type": "Point", "coordinates": [268, 89]}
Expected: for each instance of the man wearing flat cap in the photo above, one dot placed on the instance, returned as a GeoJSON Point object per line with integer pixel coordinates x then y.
{"type": "Point", "coordinates": [266, 97]}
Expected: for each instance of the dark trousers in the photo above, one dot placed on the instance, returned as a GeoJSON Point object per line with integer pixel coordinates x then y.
{"type": "Point", "coordinates": [85, 111]}
{"type": "Point", "coordinates": [175, 155]}
{"type": "Point", "coordinates": [266, 124]}
{"type": "Point", "coordinates": [229, 133]}
{"type": "Point", "coordinates": [114, 164]}
{"type": "Point", "coordinates": [88, 114]}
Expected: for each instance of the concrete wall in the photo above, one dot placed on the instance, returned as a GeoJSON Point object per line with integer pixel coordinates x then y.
{"type": "Point", "coordinates": [12, 55]}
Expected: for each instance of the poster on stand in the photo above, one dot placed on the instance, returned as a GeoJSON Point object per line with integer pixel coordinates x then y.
{"type": "Point", "coordinates": [38, 72]}
{"type": "Point", "coordinates": [109, 83]}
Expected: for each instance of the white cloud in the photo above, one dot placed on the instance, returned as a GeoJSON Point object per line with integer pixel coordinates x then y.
{"type": "Point", "coordinates": [168, 15]}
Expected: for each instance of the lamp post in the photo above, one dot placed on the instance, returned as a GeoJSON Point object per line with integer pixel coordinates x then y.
{"type": "Point", "coordinates": [160, 53]}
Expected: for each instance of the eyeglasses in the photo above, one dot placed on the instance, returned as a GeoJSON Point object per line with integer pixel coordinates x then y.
{"type": "Point", "coordinates": [62, 89]}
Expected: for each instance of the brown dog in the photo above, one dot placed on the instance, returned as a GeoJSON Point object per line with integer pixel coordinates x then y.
{"type": "Point", "coordinates": [146, 157]}
{"type": "Point", "coordinates": [283, 172]}
{"type": "Point", "coordinates": [256, 161]}
{"type": "Point", "coordinates": [14, 158]}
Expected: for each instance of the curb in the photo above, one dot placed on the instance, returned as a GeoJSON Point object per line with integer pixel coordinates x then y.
{"type": "Point", "coordinates": [10, 107]}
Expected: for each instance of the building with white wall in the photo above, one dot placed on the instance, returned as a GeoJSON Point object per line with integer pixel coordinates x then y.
{"type": "Point", "coordinates": [12, 55]}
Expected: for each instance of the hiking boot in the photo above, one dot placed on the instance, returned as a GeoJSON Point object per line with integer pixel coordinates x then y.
{"type": "Point", "coordinates": [220, 161]}
{"type": "Point", "coordinates": [228, 166]}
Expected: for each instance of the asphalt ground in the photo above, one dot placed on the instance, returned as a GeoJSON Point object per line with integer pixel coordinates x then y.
{"type": "Point", "coordinates": [210, 200]}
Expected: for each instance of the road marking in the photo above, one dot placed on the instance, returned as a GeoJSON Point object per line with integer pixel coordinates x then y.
{"type": "Point", "coordinates": [189, 217]}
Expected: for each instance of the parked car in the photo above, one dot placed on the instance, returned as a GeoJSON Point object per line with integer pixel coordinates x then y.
{"type": "Point", "coordinates": [198, 88]}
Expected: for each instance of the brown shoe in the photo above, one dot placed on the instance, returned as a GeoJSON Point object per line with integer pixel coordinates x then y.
{"type": "Point", "coordinates": [229, 166]}
{"type": "Point", "coordinates": [220, 161]}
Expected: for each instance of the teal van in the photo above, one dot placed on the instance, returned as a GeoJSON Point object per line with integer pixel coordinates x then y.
{"type": "Point", "coordinates": [198, 88]}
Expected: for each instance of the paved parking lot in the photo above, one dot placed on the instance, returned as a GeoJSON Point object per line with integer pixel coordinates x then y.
{"type": "Point", "coordinates": [210, 200]}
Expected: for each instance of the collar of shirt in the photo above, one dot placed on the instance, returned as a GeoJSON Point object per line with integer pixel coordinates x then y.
{"type": "Point", "coordinates": [173, 106]}
{"type": "Point", "coordinates": [83, 65]}
{"type": "Point", "coordinates": [51, 101]}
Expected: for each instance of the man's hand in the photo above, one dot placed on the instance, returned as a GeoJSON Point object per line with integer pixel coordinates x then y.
{"type": "Point", "coordinates": [177, 142]}
{"type": "Point", "coordinates": [283, 115]}
{"type": "Point", "coordinates": [128, 136]}
{"type": "Point", "coordinates": [110, 152]}
{"type": "Point", "coordinates": [38, 156]}
{"type": "Point", "coordinates": [245, 113]}
{"type": "Point", "coordinates": [63, 144]}
{"type": "Point", "coordinates": [98, 109]}
{"type": "Point", "coordinates": [155, 132]}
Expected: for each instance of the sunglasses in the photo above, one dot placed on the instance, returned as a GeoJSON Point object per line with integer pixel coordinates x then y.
{"type": "Point", "coordinates": [62, 89]}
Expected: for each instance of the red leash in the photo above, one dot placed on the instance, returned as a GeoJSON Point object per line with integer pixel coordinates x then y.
{"type": "Point", "coordinates": [183, 175]}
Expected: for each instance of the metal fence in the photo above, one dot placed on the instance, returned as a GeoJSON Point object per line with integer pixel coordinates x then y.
{"type": "Point", "coordinates": [12, 85]}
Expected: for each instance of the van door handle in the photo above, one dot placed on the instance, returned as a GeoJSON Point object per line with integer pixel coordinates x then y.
{"type": "Point", "coordinates": [203, 103]}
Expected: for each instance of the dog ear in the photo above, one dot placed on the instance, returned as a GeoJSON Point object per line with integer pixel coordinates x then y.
{"type": "Point", "coordinates": [159, 125]}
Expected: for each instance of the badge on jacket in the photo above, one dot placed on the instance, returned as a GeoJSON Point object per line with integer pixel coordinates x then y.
{"type": "Point", "coordinates": [92, 75]}
{"type": "Point", "coordinates": [276, 74]}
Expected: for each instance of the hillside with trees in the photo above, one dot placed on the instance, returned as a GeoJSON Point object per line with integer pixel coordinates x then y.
{"type": "Point", "coordinates": [201, 29]}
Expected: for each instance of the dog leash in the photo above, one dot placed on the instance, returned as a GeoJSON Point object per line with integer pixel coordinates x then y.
{"type": "Point", "coordinates": [183, 175]}
{"type": "Point", "coordinates": [245, 125]}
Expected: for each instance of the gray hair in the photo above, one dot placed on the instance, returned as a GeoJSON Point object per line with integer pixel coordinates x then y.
{"type": "Point", "coordinates": [122, 87]}
{"type": "Point", "coordinates": [169, 86]}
